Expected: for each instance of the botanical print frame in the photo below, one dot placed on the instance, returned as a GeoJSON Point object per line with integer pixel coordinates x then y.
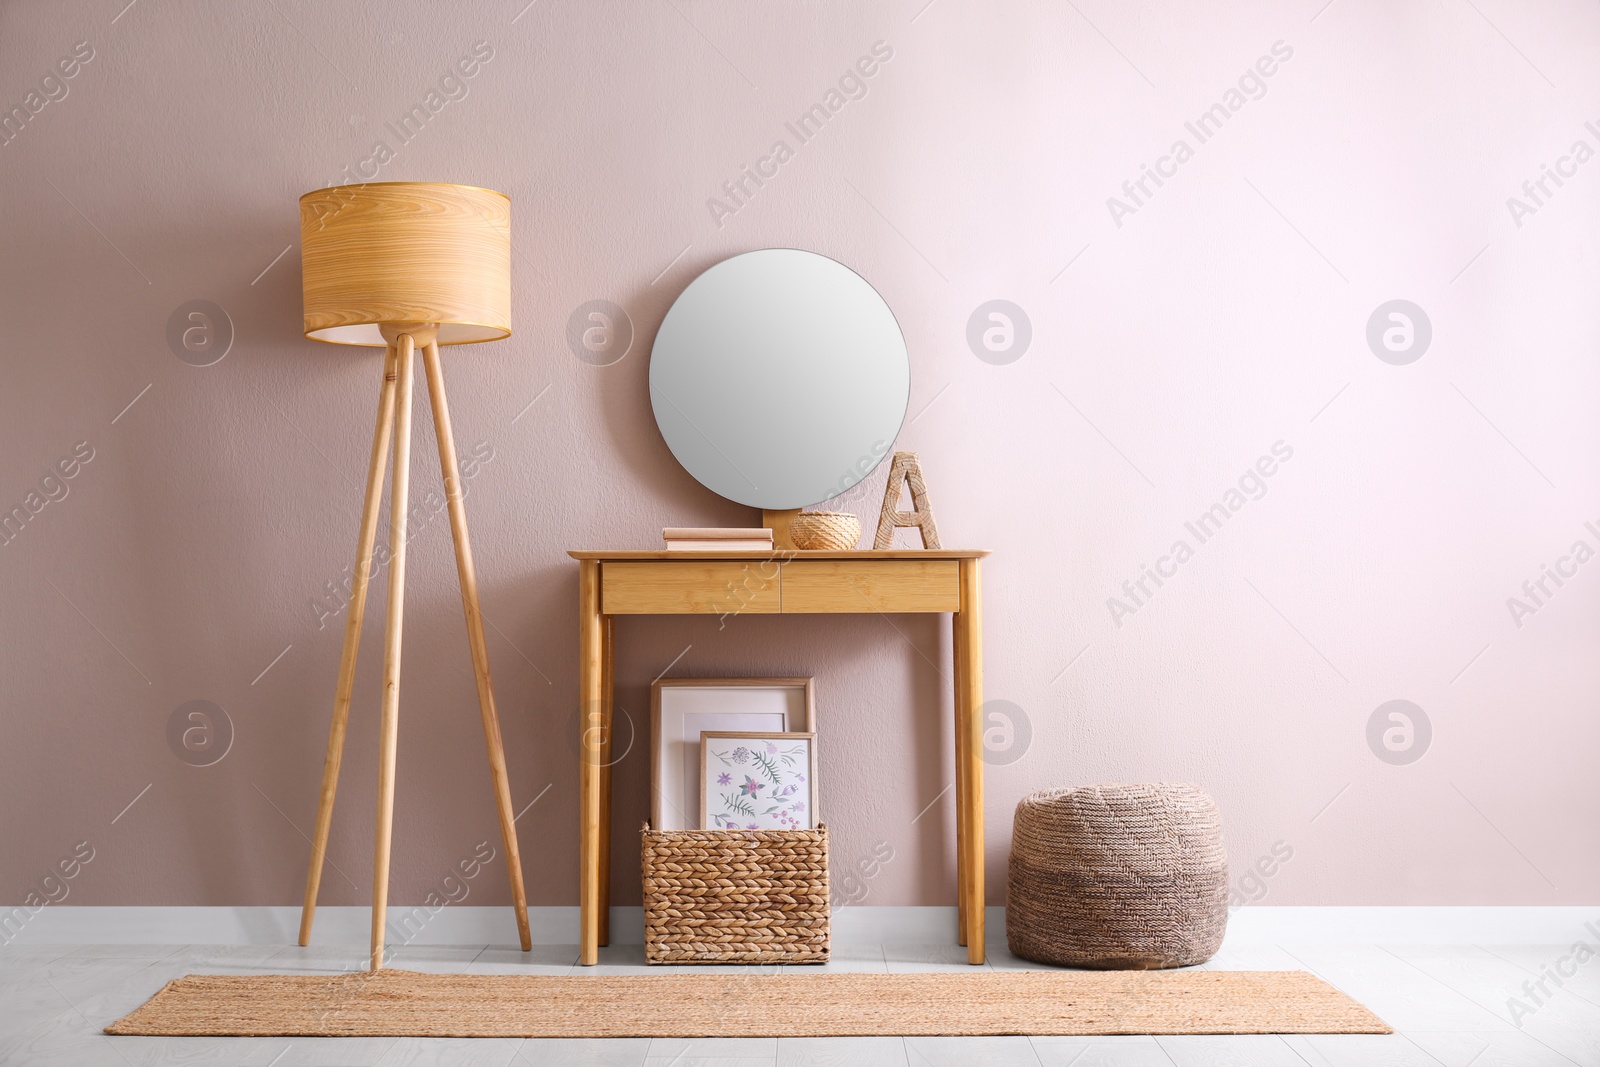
{"type": "Point", "coordinates": [683, 708]}
{"type": "Point", "coordinates": [779, 791]}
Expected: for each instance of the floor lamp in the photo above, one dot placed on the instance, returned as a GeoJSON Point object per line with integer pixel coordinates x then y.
{"type": "Point", "coordinates": [401, 266]}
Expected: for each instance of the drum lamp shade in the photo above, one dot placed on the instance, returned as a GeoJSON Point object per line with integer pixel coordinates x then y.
{"type": "Point", "coordinates": [406, 252]}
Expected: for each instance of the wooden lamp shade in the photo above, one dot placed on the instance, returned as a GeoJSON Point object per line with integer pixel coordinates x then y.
{"type": "Point", "coordinates": [387, 253]}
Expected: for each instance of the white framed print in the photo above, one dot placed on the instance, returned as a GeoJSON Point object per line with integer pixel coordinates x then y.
{"type": "Point", "coordinates": [758, 780]}
{"type": "Point", "coordinates": [681, 709]}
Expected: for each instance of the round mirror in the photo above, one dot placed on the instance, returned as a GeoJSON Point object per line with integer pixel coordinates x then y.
{"type": "Point", "coordinates": [779, 378]}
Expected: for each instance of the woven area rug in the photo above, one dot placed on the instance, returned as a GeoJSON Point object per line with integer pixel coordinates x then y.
{"type": "Point", "coordinates": [394, 1003]}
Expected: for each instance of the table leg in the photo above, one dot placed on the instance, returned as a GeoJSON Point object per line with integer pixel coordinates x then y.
{"type": "Point", "coordinates": [958, 657]}
{"type": "Point", "coordinates": [969, 704]}
{"type": "Point", "coordinates": [607, 691]}
{"type": "Point", "coordinates": [591, 729]}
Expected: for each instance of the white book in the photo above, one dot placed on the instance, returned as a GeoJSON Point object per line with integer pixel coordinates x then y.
{"type": "Point", "coordinates": [717, 533]}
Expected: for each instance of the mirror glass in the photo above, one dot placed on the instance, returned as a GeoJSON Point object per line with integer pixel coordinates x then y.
{"type": "Point", "coordinates": [779, 378]}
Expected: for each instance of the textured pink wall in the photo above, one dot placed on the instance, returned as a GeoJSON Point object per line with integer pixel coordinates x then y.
{"type": "Point", "coordinates": [1176, 337]}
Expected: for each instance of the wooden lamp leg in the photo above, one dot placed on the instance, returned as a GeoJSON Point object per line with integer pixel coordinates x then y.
{"type": "Point", "coordinates": [352, 641]}
{"type": "Point", "coordinates": [390, 726]}
{"type": "Point", "coordinates": [480, 651]}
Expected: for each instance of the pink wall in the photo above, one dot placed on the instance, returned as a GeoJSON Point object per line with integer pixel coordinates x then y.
{"type": "Point", "coordinates": [1227, 312]}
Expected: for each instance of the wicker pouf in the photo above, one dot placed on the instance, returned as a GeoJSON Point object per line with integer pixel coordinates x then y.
{"type": "Point", "coordinates": [1117, 876]}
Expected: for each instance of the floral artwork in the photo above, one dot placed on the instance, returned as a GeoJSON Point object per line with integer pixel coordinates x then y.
{"type": "Point", "coordinates": [758, 781]}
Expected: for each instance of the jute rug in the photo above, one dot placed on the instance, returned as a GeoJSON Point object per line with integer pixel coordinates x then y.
{"type": "Point", "coordinates": [395, 1003]}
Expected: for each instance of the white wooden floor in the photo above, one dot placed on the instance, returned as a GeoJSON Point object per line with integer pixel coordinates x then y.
{"type": "Point", "coordinates": [1451, 1005]}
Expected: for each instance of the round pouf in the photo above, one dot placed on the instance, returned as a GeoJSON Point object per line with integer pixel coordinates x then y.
{"type": "Point", "coordinates": [1117, 876]}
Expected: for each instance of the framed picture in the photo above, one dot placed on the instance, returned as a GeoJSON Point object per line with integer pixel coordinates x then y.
{"type": "Point", "coordinates": [681, 709]}
{"type": "Point", "coordinates": [758, 780]}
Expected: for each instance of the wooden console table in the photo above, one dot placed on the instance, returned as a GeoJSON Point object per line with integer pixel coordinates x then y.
{"type": "Point", "coordinates": [772, 583]}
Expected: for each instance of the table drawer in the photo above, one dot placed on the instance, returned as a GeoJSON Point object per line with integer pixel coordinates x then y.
{"type": "Point", "coordinates": [714, 587]}
{"type": "Point", "coordinates": [852, 585]}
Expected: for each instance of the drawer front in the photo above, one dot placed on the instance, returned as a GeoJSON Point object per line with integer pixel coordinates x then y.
{"type": "Point", "coordinates": [851, 585]}
{"type": "Point", "coordinates": [715, 587]}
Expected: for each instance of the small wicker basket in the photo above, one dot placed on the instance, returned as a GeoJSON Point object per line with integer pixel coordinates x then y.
{"type": "Point", "coordinates": [736, 896]}
{"type": "Point", "coordinates": [838, 530]}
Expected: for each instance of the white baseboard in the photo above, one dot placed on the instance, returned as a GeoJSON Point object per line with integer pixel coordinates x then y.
{"type": "Point", "coordinates": [1410, 925]}
{"type": "Point", "coordinates": [851, 925]}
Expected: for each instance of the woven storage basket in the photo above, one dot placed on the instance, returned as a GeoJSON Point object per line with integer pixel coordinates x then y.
{"type": "Point", "coordinates": [1117, 876]}
{"type": "Point", "coordinates": [736, 896]}
{"type": "Point", "coordinates": [837, 530]}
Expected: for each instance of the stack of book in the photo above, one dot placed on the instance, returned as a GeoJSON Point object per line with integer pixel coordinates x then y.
{"type": "Point", "coordinates": [717, 538]}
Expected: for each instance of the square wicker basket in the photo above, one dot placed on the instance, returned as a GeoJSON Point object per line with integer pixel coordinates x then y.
{"type": "Point", "coordinates": [736, 896]}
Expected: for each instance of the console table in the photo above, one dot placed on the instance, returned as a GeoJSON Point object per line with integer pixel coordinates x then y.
{"type": "Point", "coordinates": [773, 583]}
